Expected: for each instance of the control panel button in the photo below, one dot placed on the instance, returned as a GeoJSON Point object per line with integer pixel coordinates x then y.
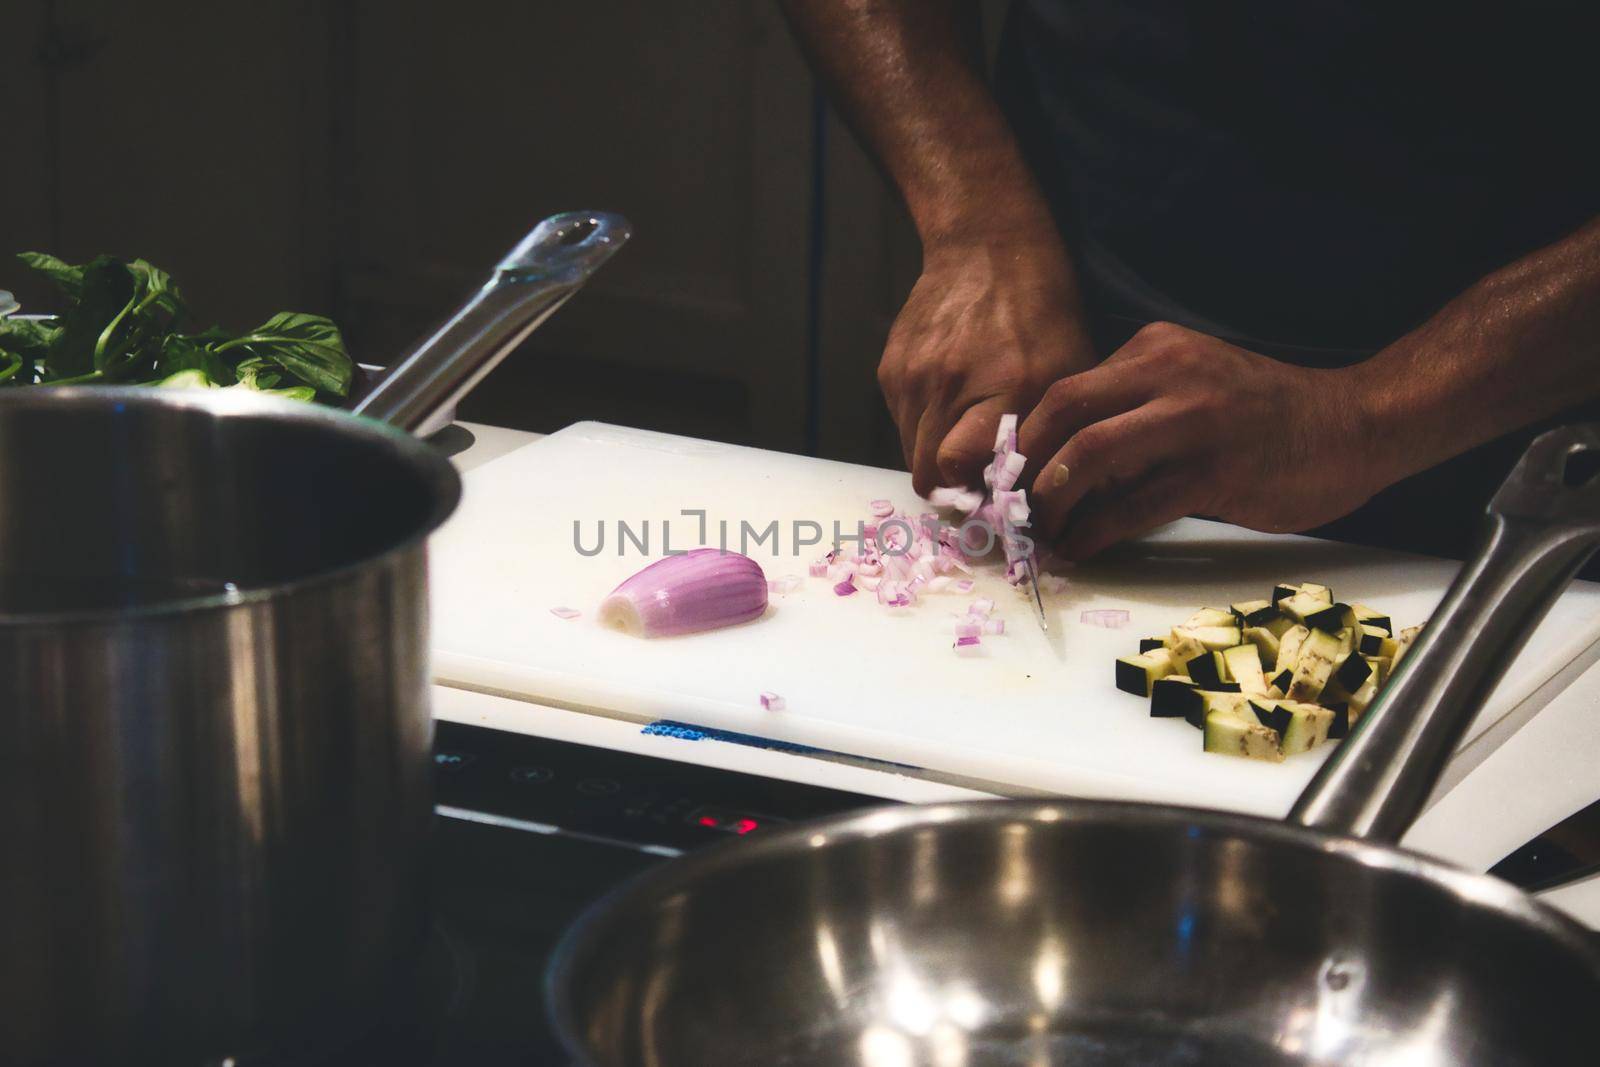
{"type": "Point", "coordinates": [599, 787]}
{"type": "Point", "coordinates": [446, 760]}
{"type": "Point", "coordinates": [531, 775]}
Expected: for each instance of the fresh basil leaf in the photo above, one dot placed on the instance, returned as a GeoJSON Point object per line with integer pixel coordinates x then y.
{"type": "Point", "coordinates": [184, 352]}
{"type": "Point", "coordinates": [28, 335]}
{"type": "Point", "coordinates": [157, 292]}
{"type": "Point", "coordinates": [107, 292]}
{"type": "Point", "coordinates": [129, 349]}
{"type": "Point", "coordinates": [68, 279]}
{"type": "Point", "coordinates": [307, 347]}
{"type": "Point", "coordinates": [23, 343]}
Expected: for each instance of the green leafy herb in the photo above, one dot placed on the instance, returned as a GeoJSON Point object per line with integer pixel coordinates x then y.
{"type": "Point", "coordinates": [67, 277]}
{"type": "Point", "coordinates": [307, 346]}
{"type": "Point", "coordinates": [121, 324]}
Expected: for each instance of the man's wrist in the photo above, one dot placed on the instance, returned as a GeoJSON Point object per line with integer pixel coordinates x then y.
{"type": "Point", "coordinates": [1378, 432]}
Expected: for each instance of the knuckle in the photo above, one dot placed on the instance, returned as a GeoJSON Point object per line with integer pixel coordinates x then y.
{"type": "Point", "coordinates": [1161, 333]}
{"type": "Point", "coordinates": [1091, 440]}
{"type": "Point", "coordinates": [1058, 393]}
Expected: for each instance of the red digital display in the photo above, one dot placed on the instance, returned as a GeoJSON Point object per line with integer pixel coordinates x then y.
{"type": "Point", "coordinates": [727, 821]}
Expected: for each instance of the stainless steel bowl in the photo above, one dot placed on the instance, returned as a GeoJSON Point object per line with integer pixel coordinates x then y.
{"type": "Point", "coordinates": [1072, 932]}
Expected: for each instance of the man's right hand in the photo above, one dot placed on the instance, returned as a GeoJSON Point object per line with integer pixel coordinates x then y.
{"type": "Point", "coordinates": [987, 328]}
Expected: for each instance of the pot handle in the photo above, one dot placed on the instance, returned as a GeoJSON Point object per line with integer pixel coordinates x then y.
{"type": "Point", "coordinates": [528, 285]}
{"type": "Point", "coordinates": [1543, 524]}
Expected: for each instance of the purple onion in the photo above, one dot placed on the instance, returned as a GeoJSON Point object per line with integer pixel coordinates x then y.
{"type": "Point", "coordinates": [704, 589]}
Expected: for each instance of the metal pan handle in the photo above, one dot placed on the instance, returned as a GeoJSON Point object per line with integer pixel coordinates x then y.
{"type": "Point", "coordinates": [1543, 524]}
{"type": "Point", "coordinates": [528, 285]}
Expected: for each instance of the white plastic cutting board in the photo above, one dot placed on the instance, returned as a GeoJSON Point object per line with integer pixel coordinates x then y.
{"type": "Point", "coordinates": [1029, 711]}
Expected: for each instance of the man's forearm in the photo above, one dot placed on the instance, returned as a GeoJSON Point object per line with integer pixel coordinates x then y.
{"type": "Point", "coordinates": [1519, 346]}
{"type": "Point", "coordinates": [907, 76]}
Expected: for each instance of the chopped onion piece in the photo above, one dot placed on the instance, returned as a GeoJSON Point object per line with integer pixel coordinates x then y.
{"type": "Point", "coordinates": [819, 569]}
{"type": "Point", "coordinates": [881, 508]}
{"type": "Point", "coordinates": [1052, 583]}
{"type": "Point", "coordinates": [1108, 618]}
{"type": "Point", "coordinates": [967, 500]}
{"type": "Point", "coordinates": [969, 629]}
{"type": "Point", "coordinates": [963, 585]}
{"type": "Point", "coordinates": [565, 613]}
{"type": "Point", "coordinates": [994, 626]}
{"type": "Point", "coordinates": [773, 702]}
{"type": "Point", "coordinates": [982, 606]}
{"type": "Point", "coordinates": [965, 642]}
{"type": "Point", "coordinates": [845, 588]}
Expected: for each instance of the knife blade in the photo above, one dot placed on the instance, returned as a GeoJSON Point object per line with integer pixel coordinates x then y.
{"type": "Point", "coordinates": [1038, 601]}
{"type": "Point", "coordinates": [1564, 853]}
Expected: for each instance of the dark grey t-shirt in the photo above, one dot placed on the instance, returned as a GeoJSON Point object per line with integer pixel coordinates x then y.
{"type": "Point", "coordinates": [1312, 178]}
{"type": "Point", "coordinates": [1321, 173]}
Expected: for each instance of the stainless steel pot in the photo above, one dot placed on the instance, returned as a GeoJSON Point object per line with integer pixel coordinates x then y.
{"type": "Point", "coordinates": [214, 715]}
{"type": "Point", "coordinates": [1074, 932]}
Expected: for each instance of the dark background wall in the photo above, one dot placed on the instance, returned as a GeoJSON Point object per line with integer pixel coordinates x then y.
{"type": "Point", "coordinates": [370, 160]}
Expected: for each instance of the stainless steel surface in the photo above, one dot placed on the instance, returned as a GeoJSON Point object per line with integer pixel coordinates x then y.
{"type": "Point", "coordinates": [1540, 531]}
{"type": "Point", "coordinates": [1077, 932]}
{"type": "Point", "coordinates": [215, 801]}
{"type": "Point", "coordinates": [214, 704]}
{"type": "Point", "coordinates": [528, 285]}
{"type": "Point", "coordinates": [1073, 932]}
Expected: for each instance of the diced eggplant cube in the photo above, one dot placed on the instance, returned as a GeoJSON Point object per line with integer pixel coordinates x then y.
{"type": "Point", "coordinates": [1289, 646]}
{"type": "Point", "coordinates": [1210, 617]}
{"type": "Point", "coordinates": [1352, 673]}
{"type": "Point", "coordinates": [1308, 727]}
{"type": "Point", "coordinates": [1372, 640]}
{"type": "Point", "coordinates": [1280, 626]}
{"type": "Point", "coordinates": [1208, 670]}
{"type": "Point", "coordinates": [1244, 667]}
{"type": "Point", "coordinates": [1209, 701]}
{"type": "Point", "coordinates": [1266, 643]}
{"type": "Point", "coordinates": [1340, 726]}
{"type": "Point", "coordinates": [1377, 620]}
{"type": "Point", "coordinates": [1282, 679]}
{"type": "Point", "coordinates": [1333, 618]}
{"type": "Point", "coordinates": [1403, 641]}
{"type": "Point", "coordinates": [1148, 643]}
{"type": "Point", "coordinates": [1301, 607]}
{"type": "Point", "coordinates": [1319, 656]}
{"type": "Point", "coordinates": [1271, 715]}
{"type": "Point", "coordinates": [1254, 612]}
{"type": "Point", "coordinates": [1283, 592]}
{"type": "Point", "coordinates": [1173, 697]}
{"type": "Point", "coordinates": [1230, 733]}
{"type": "Point", "coordinates": [1136, 674]}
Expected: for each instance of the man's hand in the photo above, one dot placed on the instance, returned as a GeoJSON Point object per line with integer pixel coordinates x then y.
{"type": "Point", "coordinates": [986, 329]}
{"type": "Point", "coordinates": [1177, 423]}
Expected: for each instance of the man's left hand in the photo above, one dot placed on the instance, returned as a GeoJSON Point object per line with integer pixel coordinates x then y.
{"type": "Point", "coordinates": [1178, 423]}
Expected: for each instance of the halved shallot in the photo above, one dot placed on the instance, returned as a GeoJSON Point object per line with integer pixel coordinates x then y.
{"type": "Point", "coordinates": [703, 589]}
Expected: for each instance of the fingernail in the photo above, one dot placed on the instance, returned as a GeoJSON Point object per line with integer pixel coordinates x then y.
{"type": "Point", "coordinates": [1058, 476]}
